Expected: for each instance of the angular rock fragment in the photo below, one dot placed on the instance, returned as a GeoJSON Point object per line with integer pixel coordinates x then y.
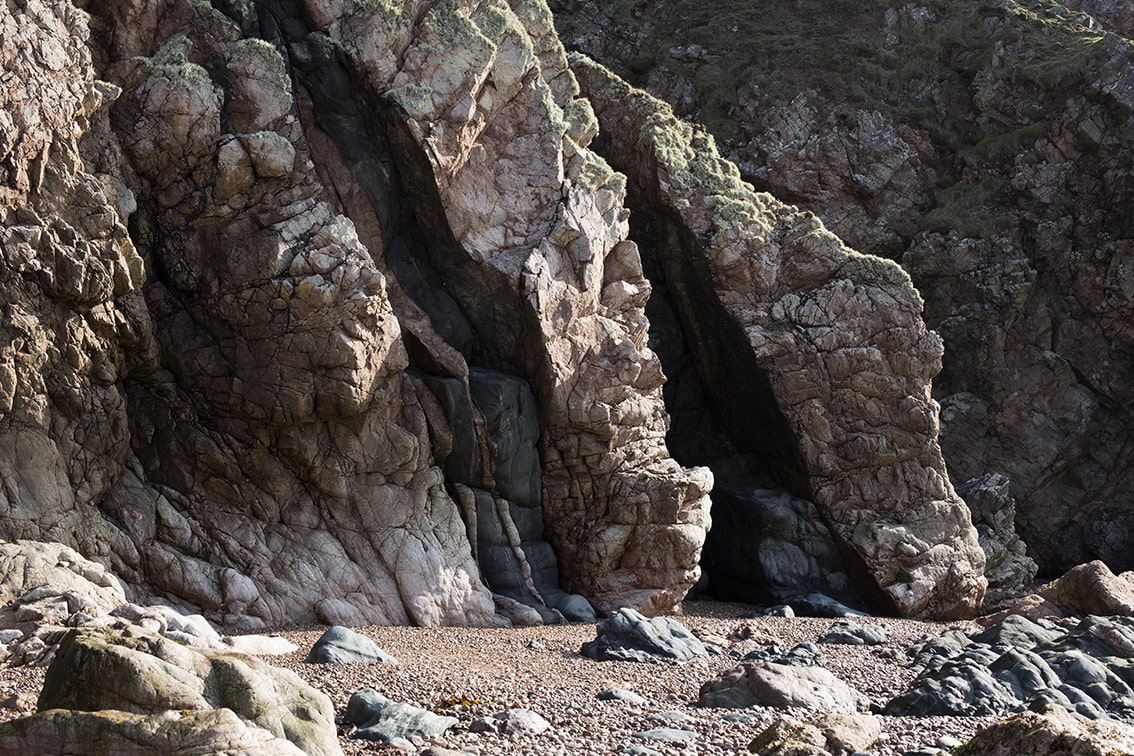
{"type": "Point", "coordinates": [629, 636]}
{"type": "Point", "coordinates": [379, 718]}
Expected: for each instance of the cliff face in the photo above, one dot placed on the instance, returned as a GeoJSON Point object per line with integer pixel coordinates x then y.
{"type": "Point", "coordinates": [331, 311]}
{"type": "Point", "coordinates": [985, 146]}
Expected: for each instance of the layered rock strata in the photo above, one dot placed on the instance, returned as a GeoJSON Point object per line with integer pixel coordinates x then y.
{"type": "Point", "coordinates": [813, 356]}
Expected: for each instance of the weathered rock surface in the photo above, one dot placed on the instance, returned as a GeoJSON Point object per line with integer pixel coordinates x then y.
{"type": "Point", "coordinates": [1018, 665]}
{"type": "Point", "coordinates": [835, 359]}
{"type": "Point", "coordinates": [137, 672]}
{"type": "Point", "coordinates": [341, 645]}
{"type": "Point", "coordinates": [629, 636]}
{"type": "Point", "coordinates": [982, 145]}
{"type": "Point", "coordinates": [1052, 733]}
{"type": "Point", "coordinates": [227, 323]}
{"type": "Point", "coordinates": [180, 733]}
{"type": "Point", "coordinates": [48, 588]}
{"type": "Point", "coordinates": [781, 686]}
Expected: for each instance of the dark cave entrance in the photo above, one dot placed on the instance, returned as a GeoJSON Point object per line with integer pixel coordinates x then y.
{"type": "Point", "coordinates": [768, 542]}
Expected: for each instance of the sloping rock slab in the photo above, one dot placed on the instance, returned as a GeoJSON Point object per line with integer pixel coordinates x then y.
{"type": "Point", "coordinates": [177, 733]}
{"type": "Point", "coordinates": [1053, 733]}
{"type": "Point", "coordinates": [781, 686]}
{"type": "Point", "coordinates": [135, 671]}
{"type": "Point", "coordinates": [340, 645]}
{"type": "Point", "coordinates": [379, 718]}
{"type": "Point", "coordinates": [1020, 665]}
{"type": "Point", "coordinates": [629, 636]}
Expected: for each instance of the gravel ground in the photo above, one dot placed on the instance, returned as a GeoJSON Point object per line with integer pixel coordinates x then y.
{"type": "Point", "coordinates": [468, 673]}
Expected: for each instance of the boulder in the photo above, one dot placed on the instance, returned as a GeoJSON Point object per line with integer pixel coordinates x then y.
{"type": "Point", "coordinates": [1054, 732]}
{"type": "Point", "coordinates": [1092, 589]}
{"type": "Point", "coordinates": [341, 645]}
{"type": "Point", "coordinates": [142, 673]}
{"type": "Point", "coordinates": [179, 733]}
{"type": "Point", "coordinates": [781, 686]}
{"type": "Point", "coordinates": [629, 636]}
{"type": "Point", "coordinates": [850, 634]}
{"type": "Point", "coordinates": [827, 735]}
{"type": "Point", "coordinates": [379, 718]}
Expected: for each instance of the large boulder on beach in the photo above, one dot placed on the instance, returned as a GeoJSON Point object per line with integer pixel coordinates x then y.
{"type": "Point", "coordinates": [379, 718]}
{"type": "Point", "coordinates": [142, 673]}
{"type": "Point", "coordinates": [781, 686]}
{"type": "Point", "coordinates": [176, 733]}
{"type": "Point", "coordinates": [629, 636]}
{"type": "Point", "coordinates": [340, 645]}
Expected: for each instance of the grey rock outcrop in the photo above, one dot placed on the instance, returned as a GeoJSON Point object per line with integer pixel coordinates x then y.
{"type": "Point", "coordinates": [178, 733]}
{"type": "Point", "coordinates": [629, 636]}
{"type": "Point", "coordinates": [1018, 665]}
{"type": "Point", "coordinates": [836, 360]}
{"type": "Point", "coordinates": [984, 147]}
{"type": "Point", "coordinates": [781, 686]}
{"type": "Point", "coordinates": [138, 672]}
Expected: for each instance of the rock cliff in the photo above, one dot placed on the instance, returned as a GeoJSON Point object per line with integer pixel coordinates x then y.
{"type": "Point", "coordinates": [985, 146]}
{"type": "Point", "coordinates": [332, 311]}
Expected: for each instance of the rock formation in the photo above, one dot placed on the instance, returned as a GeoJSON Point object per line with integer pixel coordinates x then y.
{"type": "Point", "coordinates": [319, 311]}
{"type": "Point", "coordinates": [258, 398]}
{"type": "Point", "coordinates": [984, 146]}
{"type": "Point", "coordinates": [813, 358]}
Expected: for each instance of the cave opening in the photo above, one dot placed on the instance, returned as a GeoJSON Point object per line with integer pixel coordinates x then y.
{"type": "Point", "coordinates": [768, 542]}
